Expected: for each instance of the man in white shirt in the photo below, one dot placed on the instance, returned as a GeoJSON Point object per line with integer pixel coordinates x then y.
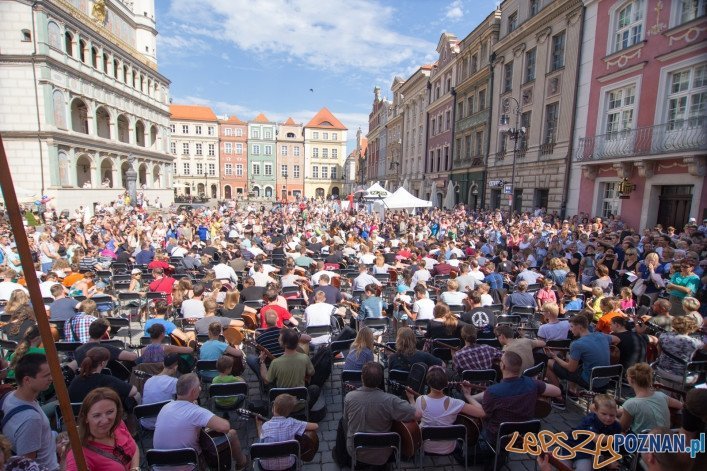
{"type": "Point", "coordinates": [321, 271]}
{"type": "Point", "coordinates": [475, 272]}
{"type": "Point", "coordinates": [179, 251]}
{"type": "Point", "coordinates": [46, 286]}
{"type": "Point", "coordinates": [260, 277]}
{"type": "Point", "coordinates": [194, 308]}
{"type": "Point", "coordinates": [422, 307]}
{"type": "Point", "coordinates": [421, 275]}
{"type": "Point", "coordinates": [161, 387]}
{"type": "Point", "coordinates": [465, 279]}
{"type": "Point", "coordinates": [180, 422]}
{"type": "Point", "coordinates": [429, 260]}
{"type": "Point", "coordinates": [225, 272]}
{"type": "Point", "coordinates": [531, 277]}
{"type": "Point", "coordinates": [364, 278]}
{"type": "Point", "coordinates": [7, 286]}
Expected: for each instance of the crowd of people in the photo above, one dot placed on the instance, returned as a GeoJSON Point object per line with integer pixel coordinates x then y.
{"type": "Point", "coordinates": [536, 300]}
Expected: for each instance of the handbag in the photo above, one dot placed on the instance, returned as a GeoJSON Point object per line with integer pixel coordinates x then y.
{"type": "Point", "coordinates": [639, 288]}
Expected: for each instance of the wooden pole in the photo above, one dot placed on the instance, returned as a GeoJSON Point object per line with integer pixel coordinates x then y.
{"type": "Point", "coordinates": [35, 294]}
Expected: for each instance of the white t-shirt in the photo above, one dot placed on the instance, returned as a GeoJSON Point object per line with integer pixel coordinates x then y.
{"type": "Point", "coordinates": [434, 414]}
{"type": "Point", "coordinates": [423, 308]}
{"type": "Point", "coordinates": [7, 287]}
{"type": "Point", "coordinates": [318, 314]}
{"type": "Point", "coordinates": [178, 425]}
{"type": "Point", "coordinates": [193, 309]}
{"type": "Point", "coordinates": [486, 300]}
{"type": "Point", "coordinates": [46, 288]}
{"type": "Point", "coordinates": [453, 298]}
{"type": "Point", "coordinates": [159, 388]}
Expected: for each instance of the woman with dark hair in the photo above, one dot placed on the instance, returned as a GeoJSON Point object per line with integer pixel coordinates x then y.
{"type": "Point", "coordinates": [155, 351]}
{"type": "Point", "coordinates": [106, 442]}
{"type": "Point", "coordinates": [406, 352]}
{"type": "Point", "coordinates": [90, 378]}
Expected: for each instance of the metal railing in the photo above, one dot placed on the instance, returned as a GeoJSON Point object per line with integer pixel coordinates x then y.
{"type": "Point", "coordinates": [675, 136]}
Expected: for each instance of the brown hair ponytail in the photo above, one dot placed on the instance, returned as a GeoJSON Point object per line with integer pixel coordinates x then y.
{"type": "Point", "coordinates": [93, 358]}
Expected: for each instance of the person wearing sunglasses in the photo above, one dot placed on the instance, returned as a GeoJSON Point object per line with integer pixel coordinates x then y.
{"type": "Point", "coordinates": [107, 443]}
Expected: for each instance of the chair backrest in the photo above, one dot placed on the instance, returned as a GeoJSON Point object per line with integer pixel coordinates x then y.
{"type": "Point", "coordinates": [205, 365]}
{"type": "Point", "coordinates": [564, 343]}
{"type": "Point", "coordinates": [508, 319]}
{"type": "Point", "coordinates": [341, 345]}
{"type": "Point", "coordinates": [8, 345]}
{"type": "Point", "coordinates": [506, 430]}
{"type": "Point", "coordinates": [443, 351]}
{"type": "Point", "coordinates": [496, 308]}
{"type": "Point", "coordinates": [351, 376]}
{"type": "Point", "coordinates": [149, 410]}
{"type": "Point", "coordinates": [479, 376]}
{"type": "Point", "coordinates": [416, 377]}
{"type": "Point", "coordinates": [224, 390]}
{"type": "Point", "coordinates": [490, 342]}
{"type": "Point", "coordinates": [376, 440]}
{"type": "Point", "coordinates": [375, 322]}
{"type": "Point", "coordinates": [300, 393]}
{"type": "Point", "coordinates": [401, 376]}
{"type": "Point", "coordinates": [152, 295]}
{"type": "Point", "coordinates": [537, 371]}
{"type": "Point", "coordinates": [177, 457]}
{"type": "Point", "coordinates": [316, 331]}
{"type": "Point", "coordinates": [261, 451]}
{"type": "Point", "coordinates": [114, 343]}
{"type": "Point", "coordinates": [67, 346]}
{"type": "Point", "coordinates": [443, 433]}
{"type": "Point", "coordinates": [612, 373]}
{"type": "Point", "coordinates": [128, 296]}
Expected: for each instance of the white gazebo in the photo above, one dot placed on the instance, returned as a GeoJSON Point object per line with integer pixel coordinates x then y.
{"type": "Point", "coordinates": [402, 199]}
{"type": "Point", "coordinates": [376, 191]}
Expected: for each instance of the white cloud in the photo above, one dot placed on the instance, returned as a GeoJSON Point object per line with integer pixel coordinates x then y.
{"type": "Point", "coordinates": [454, 10]}
{"type": "Point", "coordinates": [337, 35]}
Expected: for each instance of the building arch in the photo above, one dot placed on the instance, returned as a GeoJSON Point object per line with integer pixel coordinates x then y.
{"type": "Point", "coordinates": [268, 191]}
{"type": "Point", "coordinates": [156, 176]}
{"type": "Point", "coordinates": [200, 189]}
{"type": "Point", "coordinates": [256, 191]}
{"type": "Point", "coordinates": [140, 133]}
{"type": "Point", "coordinates": [142, 175]}
{"type": "Point", "coordinates": [214, 191]}
{"type": "Point", "coordinates": [227, 192]}
{"type": "Point", "coordinates": [83, 171]}
{"type": "Point", "coordinates": [82, 50]}
{"type": "Point", "coordinates": [153, 136]}
{"type": "Point", "coordinates": [69, 44]}
{"type": "Point", "coordinates": [124, 167]}
{"type": "Point", "coordinates": [107, 173]}
{"type": "Point", "coordinates": [123, 129]}
{"type": "Point", "coordinates": [59, 104]}
{"type": "Point", "coordinates": [335, 192]}
{"type": "Point", "coordinates": [54, 35]}
{"type": "Point", "coordinates": [79, 116]}
{"type": "Point", "coordinates": [319, 192]}
{"type": "Point", "coordinates": [103, 122]}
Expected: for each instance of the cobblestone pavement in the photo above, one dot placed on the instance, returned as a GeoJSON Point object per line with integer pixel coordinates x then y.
{"type": "Point", "coordinates": [323, 461]}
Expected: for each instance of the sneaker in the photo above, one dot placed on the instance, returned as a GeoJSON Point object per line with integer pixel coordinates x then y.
{"type": "Point", "coordinates": [558, 403]}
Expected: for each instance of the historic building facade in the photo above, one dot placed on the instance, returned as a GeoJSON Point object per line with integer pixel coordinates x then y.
{"type": "Point", "coordinates": [233, 152]}
{"type": "Point", "coordinates": [355, 164]}
{"type": "Point", "coordinates": [290, 160]}
{"type": "Point", "coordinates": [641, 134]}
{"type": "Point", "coordinates": [86, 100]}
{"type": "Point", "coordinates": [440, 120]}
{"type": "Point", "coordinates": [534, 80]}
{"type": "Point", "coordinates": [261, 157]}
{"type": "Point", "coordinates": [377, 139]}
{"type": "Point", "coordinates": [413, 97]}
{"type": "Point", "coordinates": [474, 95]}
{"type": "Point", "coordinates": [394, 138]}
{"type": "Point", "coordinates": [325, 153]}
{"type": "Point", "coordinates": [195, 142]}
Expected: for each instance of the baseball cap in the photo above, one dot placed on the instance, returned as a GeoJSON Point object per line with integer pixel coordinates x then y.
{"type": "Point", "coordinates": [170, 359]}
{"type": "Point", "coordinates": [135, 271]}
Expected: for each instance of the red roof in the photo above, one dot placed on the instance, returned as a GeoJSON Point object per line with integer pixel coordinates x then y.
{"type": "Point", "coordinates": [192, 112]}
{"type": "Point", "coordinates": [233, 120]}
{"type": "Point", "coordinates": [325, 119]}
{"type": "Point", "coordinates": [261, 119]}
{"type": "Point", "coordinates": [364, 146]}
{"type": "Point", "coordinates": [290, 122]}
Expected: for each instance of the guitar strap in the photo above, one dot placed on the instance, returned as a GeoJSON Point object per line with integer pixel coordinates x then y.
{"type": "Point", "coordinates": [105, 454]}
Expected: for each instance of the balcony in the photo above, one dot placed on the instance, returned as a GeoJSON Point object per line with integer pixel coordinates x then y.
{"type": "Point", "coordinates": [480, 117]}
{"type": "Point", "coordinates": [668, 138]}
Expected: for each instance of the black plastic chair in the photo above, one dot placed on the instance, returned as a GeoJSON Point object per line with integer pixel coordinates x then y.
{"type": "Point", "coordinates": [146, 411]}
{"type": "Point", "coordinates": [206, 370]}
{"type": "Point", "coordinates": [401, 378]}
{"type": "Point", "coordinates": [443, 434]}
{"type": "Point", "coordinates": [238, 391]}
{"type": "Point", "coordinates": [505, 433]}
{"type": "Point", "coordinates": [300, 393]}
{"type": "Point", "coordinates": [177, 457]}
{"type": "Point", "coordinates": [349, 380]}
{"type": "Point", "coordinates": [485, 377]}
{"type": "Point", "coordinates": [264, 451]}
{"type": "Point", "coordinates": [117, 323]}
{"type": "Point", "coordinates": [490, 342]}
{"type": "Point", "coordinates": [377, 441]}
{"type": "Point", "coordinates": [537, 371]}
{"type": "Point", "coordinates": [416, 377]}
{"type": "Point", "coordinates": [75, 409]}
{"type": "Point", "coordinates": [444, 352]}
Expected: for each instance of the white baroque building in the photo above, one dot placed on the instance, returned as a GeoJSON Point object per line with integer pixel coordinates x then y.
{"type": "Point", "coordinates": [80, 96]}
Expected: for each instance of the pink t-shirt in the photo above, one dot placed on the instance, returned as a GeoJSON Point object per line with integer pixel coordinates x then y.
{"type": "Point", "coordinates": [96, 461]}
{"type": "Point", "coordinates": [546, 296]}
{"type": "Point", "coordinates": [627, 304]}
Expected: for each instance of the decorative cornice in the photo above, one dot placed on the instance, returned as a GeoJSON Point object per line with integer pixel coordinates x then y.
{"type": "Point", "coordinates": [646, 168]}
{"type": "Point", "coordinates": [623, 169]}
{"type": "Point", "coordinates": [572, 17]}
{"type": "Point", "coordinates": [622, 72]}
{"type": "Point", "coordinates": [689, 35]}
{"type": "Point", "coordinates": [543, 34]}
{"type": "Point", "coordinates": [695, 165]}
{"type": "Point", "coordinates": [518, 50]}
{"type": "Point", "coordinates": [693, 48]}
{"type": "Point", "coordinates": [622, 57]}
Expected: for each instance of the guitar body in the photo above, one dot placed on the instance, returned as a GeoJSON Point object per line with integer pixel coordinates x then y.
{"type": "Point", "coordinates": [216, 449]}
{"type": "Point", "coordinates": [233, 336]}
{"type": "Point", "coordinates": [473, 428]}
{"type": "Point", "coordinates": [410, 438]}
{"type": "Point", "coordinates": [308, 445]}
{"type": "Point", "coordinates": [249, 320]}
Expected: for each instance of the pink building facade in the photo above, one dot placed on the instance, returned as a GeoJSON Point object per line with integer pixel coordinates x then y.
{"type": "Point", "coordinates": [640, 129]}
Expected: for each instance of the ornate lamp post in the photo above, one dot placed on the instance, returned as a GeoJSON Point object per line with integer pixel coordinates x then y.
{"type": "Point", "coordinates": [514, 133]}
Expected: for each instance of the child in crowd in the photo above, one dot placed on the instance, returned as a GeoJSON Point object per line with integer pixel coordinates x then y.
{"type": "Point", "coordinates": [610, 309]}
{"type": "Point", "coordinates": [602, 419]}
{"type": "Point", "coordinates": [226, 371]}
{"type": "Point", "coordinates": [574, 303]}
{"type": "Point", "coordinates": [486, 298]}
{"type": "Point", "coordinates": [627, 302]}
{"type": "Point", "coordinates": [281, 428]}
{"type": "Point", "coordinates": [594, 302]}
{"type": "Point", "coordinates": [546, 294]}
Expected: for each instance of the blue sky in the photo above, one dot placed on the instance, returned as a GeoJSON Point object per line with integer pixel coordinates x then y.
{"type": "Point", "coordinates": [244, 57]}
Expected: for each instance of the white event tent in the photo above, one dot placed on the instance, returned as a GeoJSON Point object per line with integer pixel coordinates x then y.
{"type": "Point", "coordinates": [402, 199]}
{"type": "Point", "coordinates": [376, 191]}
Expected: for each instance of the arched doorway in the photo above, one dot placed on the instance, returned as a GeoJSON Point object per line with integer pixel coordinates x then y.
{"type": "Point", "coordinates": [227, 192]}
{"type": "Point", "coordinates": [319, 192]}
{"type": "Point", "coordinates": [79, 116]}
{"type": "Point", "coordinates": [268, 192]}
{"type": "Point", "coordinates": [214, 191]}
{"type": "Point", "coordinates": [200, 189]}
{"type": "Point", "coordinates": [473, 196]}
{"type": "Point", "coordinates": [83, 172]}
{"type": "Point", "coordinates": [156, 177]}
{"type": "Point", "coordinates": [123, 129]}
{"type": "Point", "coordinates": [440, 199]}
{"type": "Point", "coordinates": [153, 136]}
{"type": "Point", "coordinates": [142, 175]}
{"type": "Point", "coordinates": [335, 192]}
{"type": "Point", "coordinates": [140, 134]}
{"type": "Point", "coordinates": [107, 173]}
{"type": "Point", "coordinates": [256, 192]}
{"type": "Point", "coordinates": [103, 123]}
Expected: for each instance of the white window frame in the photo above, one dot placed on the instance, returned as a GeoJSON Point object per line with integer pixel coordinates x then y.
{"type": "Point", "coordinates": [228, 147]}
{"type": "Point", "coordinates": [676, 12]}
{"type": "Point", "coordinates": [212, 170]}
{"type": "Point", "coordinates": [295, 151]}
{"type": "Point", "coordinates": [334, 136]}
{"type": "Point", "coordinates": [185, 148]}
{"type": "Point", "coordinates": [186, 167]}
{"type": "Point", "coordinates": [315, 171]}
{"type": "Point", "coordinates": [267, 170]}
{"type": "Point", "coordinates": [239, 170]}
{"type": "Point", "coordinates": [325, 172]}
{"type": "Point", "coordinates": [612, 43]}
{"type": "Point", "coordinates": [228, 132]}
{"type": "Point", "coordinates": [255, 133]}
{"type": "Point", "coordinates": [199, 168]}
{"type": "Point", "coordinates": [267, 150]}
{"type": "Point", "coordinates": [212, 150]}
{"type": "Point", "coordinates": [173, 148]}
{"type": "Point", "coordinates": [315, 152]}
{"type": "Point", "coordinates": [295, 171]}
{"type": "Point", "coordinates": [239, 148]}
{"type": "Point", "coordinates": [315, 134]}
{"type": "Point", "coordinates": [600, 189]}
{"type": "Point", "coordinates": [325, 136]}
{"type": "Point", "coordinates": [267, 134]}
{"type": "Point", "coordinates": [333, 172]}
{"type": "Point", "coordinates": [283, 150]}
{"type": "Point", "coordinates": [197, 129]}
{"type": "Point", "coordinates": [172, 128]}
{"type": "Point", "coordinates": [228, 169]}
{"type": "Point", "coordinates": [325, 153]}
{"type": "Point", "coordinates": [256, 149]}
{"type": "Point", "coordinates": [185, 129]}
{"type": "Point", "coordinates": [239, 132]}
{"type": "Point", "coordinates": [210, 130]}
{"type": "Point", "coordinates": [199, 149]}
{"type": "Point", "coordinates": [335, 153]}
{"type": "Point", "coordinates": [256, 168]}
{"type": "Point", "coordinates": [661, 109]}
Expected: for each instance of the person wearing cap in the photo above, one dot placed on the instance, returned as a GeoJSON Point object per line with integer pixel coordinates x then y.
{"type": "Point", "coordinates": [161, 387]}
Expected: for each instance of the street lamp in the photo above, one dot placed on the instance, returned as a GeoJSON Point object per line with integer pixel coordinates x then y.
{"type": "Point", "coordinates": [284, 175]}
{"type": "Point", "coordinates": [514, 133]}
{"type": "Point", "coordinates": [206, 184]}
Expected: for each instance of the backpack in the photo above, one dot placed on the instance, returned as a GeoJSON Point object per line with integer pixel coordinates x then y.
{"type": "Point", "coordinates": [322, 366]}
{"type": "Point", "coordinates": [5, 417]}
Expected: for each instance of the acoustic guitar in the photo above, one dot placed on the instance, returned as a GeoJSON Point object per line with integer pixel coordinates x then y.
{"type": "Point", "coordinates": [308, 442]}
{"type": "Point", "coordinates": [216, 449]}
{"type": "Point", "coordinates": [235, 335]}
{"type": "Point", "coordinates": [259, 348]}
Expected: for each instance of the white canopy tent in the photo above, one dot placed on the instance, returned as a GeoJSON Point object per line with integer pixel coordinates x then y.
{"type": "Point", "coordinates": [376, 191]}
{"type": "Point", "coordinates": [402, 199]}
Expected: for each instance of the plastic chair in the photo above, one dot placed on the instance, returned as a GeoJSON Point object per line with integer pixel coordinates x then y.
{"type": "Point", "coordinates": [537, 371]}
{"type": "Point", "coordinates": [349, 378]}
{"type": "Point", "coordinates": [7, 347]}
{"type": "Point", "coordinates": [443, 434]}
{"type": "Point", "coordinates": [117, 323]}
{"type": "Point", "coordinates": [611, 373]}
{"type": "Point", "coordinates": [486, 377]}
{"type": "Point", "coordinates": [75, 409]}
{"type": "Point", "coordinates": [505, 432]}
{"type": "Point", "coordinates": [172, 458]}
{"type": "Point", "coordinates": [490, 342]}
{"type": "Point", "coordinates": [416, 377]}
{"type": "Point", "coordinates": [227, 391]}
{"type": "Point", "coordinates": [378, 441]}
{"type": "Point", "coordinates": [444, 352]}
{"type": "Point", "coordinates": [206, 370]}
{"type": "Point", "coordinates": [300, 393]}
{"type": "Point", "coordinates": [263, 451]}
{"type": "Point", "coordinates": [146, 411]}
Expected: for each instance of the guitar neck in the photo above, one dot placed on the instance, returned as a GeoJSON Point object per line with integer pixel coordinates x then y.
{"type": "Point", "coordinates": [251, 414]}
{"type": "Point", "coordinates": [259, 348]}
{"type": "Point", "coordinates": [384, 347]}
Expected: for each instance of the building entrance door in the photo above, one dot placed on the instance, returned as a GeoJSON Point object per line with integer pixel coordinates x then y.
{"type": "Point", "coordinates": [675, 205]}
